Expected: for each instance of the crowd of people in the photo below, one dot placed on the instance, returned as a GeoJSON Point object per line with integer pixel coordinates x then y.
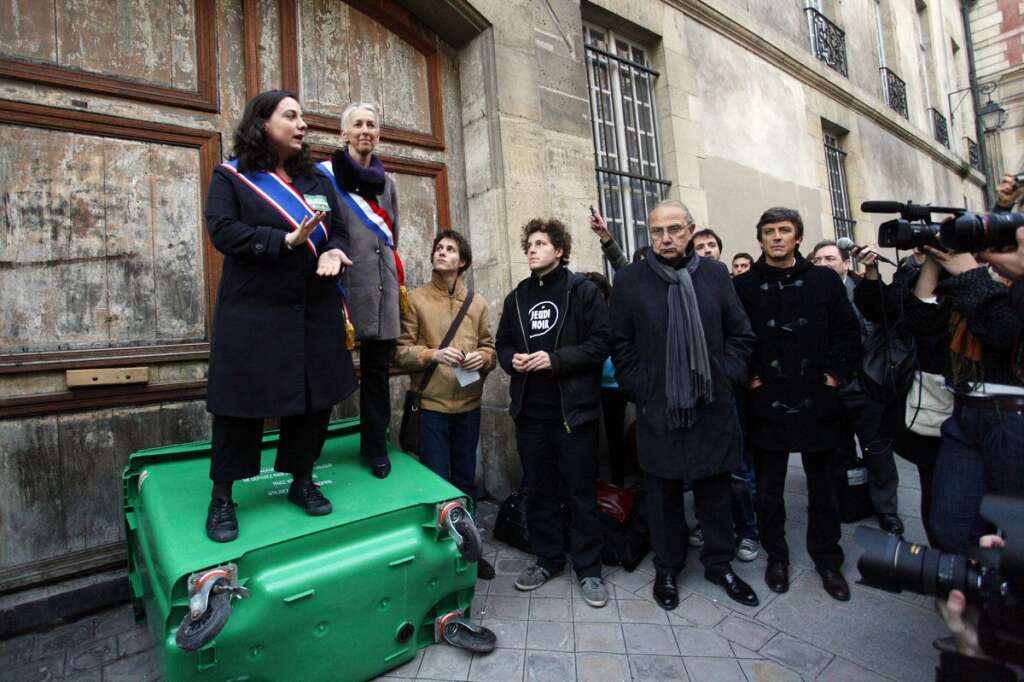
{"type": "Point", "coordinates": [729, 372]}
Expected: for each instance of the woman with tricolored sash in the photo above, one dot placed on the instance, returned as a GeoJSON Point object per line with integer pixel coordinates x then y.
{"type": "Point", "coordinates": [278, 346]}
{"type": "Point", "coordinates": [375, 282]}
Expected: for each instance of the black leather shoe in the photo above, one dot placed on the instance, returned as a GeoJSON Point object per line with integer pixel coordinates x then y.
{"type": "Point", "coordinates": [891, 523]}
{"type": "Point", "coordinates": [308, 496]}
{"type": "Point", "coordinates": [221, 522]}
{"type": "Point", "coordinates": [776, 576]}
{"type": "Point", "coordinates": [736, 588]}
{"type": "Point", "coordinates": [484, 569]}
{"type": "Point", "coordinates": [835, 584]}
{"type": "Point", "coordinates": [666, 591]}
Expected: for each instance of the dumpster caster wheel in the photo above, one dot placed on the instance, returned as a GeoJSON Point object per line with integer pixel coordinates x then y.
{"type": "Point", "coordinates": [195, 633]}
{"type": "Point", "coordinates": [467, 536]}
{"type": "Point", "coordinates": [463, 634]}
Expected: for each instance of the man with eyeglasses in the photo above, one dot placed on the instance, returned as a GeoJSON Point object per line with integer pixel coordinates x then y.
{"type": "Point", "coordinates": [681, 341]}
{"type": "Point", "coordinates": [808, 345]}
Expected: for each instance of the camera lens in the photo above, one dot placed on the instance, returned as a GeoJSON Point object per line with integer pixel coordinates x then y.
{"type": "Point", "coordinates": [904, 235]}
{"type": "Point", "coordinates": [893, 564]}
{"type": "Point", "coordinates": [970, 232]}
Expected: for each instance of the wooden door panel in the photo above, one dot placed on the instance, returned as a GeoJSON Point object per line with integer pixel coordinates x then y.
{"type": "Point", "coordinates": [100, 238]}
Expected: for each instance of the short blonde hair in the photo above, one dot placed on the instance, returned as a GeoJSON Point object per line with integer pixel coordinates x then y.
{"type": "Point", "coordinates": [359, 106]}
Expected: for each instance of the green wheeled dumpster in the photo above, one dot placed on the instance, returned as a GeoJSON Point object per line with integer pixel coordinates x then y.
{"type": "Point", "coordinates": [345, 596]}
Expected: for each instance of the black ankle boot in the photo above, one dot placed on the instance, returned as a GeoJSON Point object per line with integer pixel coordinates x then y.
{"type": "Point", "coordinates": [221, 522]}
{"type": "Point", "coordinates": [380, 466]}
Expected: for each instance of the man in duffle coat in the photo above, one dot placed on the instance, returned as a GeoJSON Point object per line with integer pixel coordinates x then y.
{"type": "Point", "coordinates": [808, 347]}
{"type": "Point", "coordinates": [676, 316]}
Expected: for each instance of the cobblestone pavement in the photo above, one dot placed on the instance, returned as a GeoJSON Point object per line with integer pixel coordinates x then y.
{"type": "Point", "coordinates": [551, 634]}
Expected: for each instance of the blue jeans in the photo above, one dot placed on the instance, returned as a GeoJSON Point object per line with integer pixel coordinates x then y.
{"type": "Point", "coordinates": [982, 451]}
{"type": "Point", "coordinates": [448, 446]}
{"type": "Point", "coordinates": [744, 517]}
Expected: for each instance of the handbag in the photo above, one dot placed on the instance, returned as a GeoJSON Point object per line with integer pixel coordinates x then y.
{"type": "Point", "coordinates": [887, 364]}
{"type": "Point", "coordinates": [929, 403]}
{"type": "Point", "coordinates": [854, 496]}
{"type": "Point", "coordinates": [409, 432]}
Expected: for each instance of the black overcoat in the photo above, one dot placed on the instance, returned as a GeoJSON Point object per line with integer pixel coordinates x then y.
{"type": "Point", "coordinates": [279, 328]}
{"type": "Point", "coordinates": [640, 325]}
{"type": "Point", "coordinates": [805, 327]}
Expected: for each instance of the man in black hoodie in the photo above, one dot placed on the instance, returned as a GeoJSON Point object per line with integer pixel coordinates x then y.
{"type": "Point", "coordinates": [808, 344]}
{"type": "Point", "coordinates": [552, 340]}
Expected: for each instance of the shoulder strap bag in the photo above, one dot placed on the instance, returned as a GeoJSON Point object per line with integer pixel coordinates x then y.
{"type": "Point", "coordinates": [409, 433]}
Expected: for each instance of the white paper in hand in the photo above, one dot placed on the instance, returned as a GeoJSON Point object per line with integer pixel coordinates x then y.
{"type": "Point", "coordinates": [466, 378]}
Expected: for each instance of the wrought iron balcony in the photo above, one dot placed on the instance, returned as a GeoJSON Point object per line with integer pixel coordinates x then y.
{"type": "Point", "coordinates": [828, 41]}
{"type": "Point", "coordinates": [895, 92]}
{"type": "Point", "coordinates": [940, 128]}
{"type": "Point", "coordinates": [973, 154]}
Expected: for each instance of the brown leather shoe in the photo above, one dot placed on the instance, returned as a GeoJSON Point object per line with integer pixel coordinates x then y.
{"type": "Point", "coordinates": [776, 576]}
{"type": "Point", "coordinates": [835, 584]}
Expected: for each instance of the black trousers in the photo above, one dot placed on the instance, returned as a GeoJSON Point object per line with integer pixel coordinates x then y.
{"type": "Point", "coordinates": [667, 521]}
{"type": "Point", "coordinates": [237, 442]}
{"type": "Point", "coordinates": [921, 451]}
{"type": "Point", "coordinates": [374, 397]}
{"type": "Point", "coordinates": [613, 408]}
{"type": "Point", "coordinates": [823, 525]}
{"type": "Point", "coordinates": [550, 455]}
{"type": "Point", "coordinates": [866, 418]}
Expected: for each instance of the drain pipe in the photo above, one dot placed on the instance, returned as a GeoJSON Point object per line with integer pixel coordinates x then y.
{"type": "Point", "coordinates": [972, 75]}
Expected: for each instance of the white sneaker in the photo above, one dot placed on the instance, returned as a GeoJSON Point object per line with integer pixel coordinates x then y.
{"type": "Point", "coordinates": [747, 550]}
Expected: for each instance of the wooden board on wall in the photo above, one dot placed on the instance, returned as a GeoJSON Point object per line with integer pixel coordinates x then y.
{"type": "Point", "coordinates": [161, 51]}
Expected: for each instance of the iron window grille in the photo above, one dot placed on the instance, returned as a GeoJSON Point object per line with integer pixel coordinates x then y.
{"type": "Point", "coordinates": [895, 92]}
{"type": "Point", "coordinates": [626, 158]}
{"type": "Point", "coordinates": [828, 41]}
{"type": "Point", "coordinates": [940, 128]}
{"type": "Point", "coordinates": [973, 153]}
{"type": "Point", "coordinates": [835, 163]}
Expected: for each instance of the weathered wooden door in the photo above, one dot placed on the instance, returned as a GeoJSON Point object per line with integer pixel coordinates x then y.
{"type": "Point", "coordinates": [113, 114]}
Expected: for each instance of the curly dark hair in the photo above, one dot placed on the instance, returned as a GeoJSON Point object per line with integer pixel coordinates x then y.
{"type": "Point", "coordinates": [253, 151]}
{"type": "Point", "coordinates": [555, 230]}
{"type": "Point", "coordinates": [465, 252]}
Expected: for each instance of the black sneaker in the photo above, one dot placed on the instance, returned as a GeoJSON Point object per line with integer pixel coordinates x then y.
{"type": "Point", "coordinates": [308, 496]}
{"type": "Point", "coordinates": [484, 569]}
{"type": "Point", "coordinates": [221, 522]}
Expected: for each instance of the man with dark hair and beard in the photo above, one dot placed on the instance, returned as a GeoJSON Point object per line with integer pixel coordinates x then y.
{"type": "Point", "coordinates": [808, 345]}
{"type": "Point", "coordinates": [681, 340]}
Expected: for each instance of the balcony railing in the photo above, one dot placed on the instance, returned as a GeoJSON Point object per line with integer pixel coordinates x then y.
{"type": "Point", "coordinates": [828, 41]}
{"type": "Point", "coordinates": [895, 91]}
{"type": "Point", "coordinates": [940, 128]}
{"type": "Point", "coordinates": [973, 154]}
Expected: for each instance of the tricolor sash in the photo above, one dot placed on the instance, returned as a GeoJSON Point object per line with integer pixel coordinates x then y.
{"type": "Point", "coordinates": [374, 218]}
{"type": "Point", "coordinates": [274, 190]}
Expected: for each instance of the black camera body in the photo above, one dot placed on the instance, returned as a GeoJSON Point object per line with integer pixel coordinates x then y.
{"type": "Point", "coordinates": [961, 232]}
{"type": "Point", "coordinates": [993, 579]}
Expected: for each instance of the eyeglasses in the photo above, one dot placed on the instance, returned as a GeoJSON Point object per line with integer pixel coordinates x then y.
{"type": "Point", "coordinates": [673, 231]}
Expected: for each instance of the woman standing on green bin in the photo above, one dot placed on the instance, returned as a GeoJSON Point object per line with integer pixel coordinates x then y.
{"type": "Point", "coordinates": [278, 347]}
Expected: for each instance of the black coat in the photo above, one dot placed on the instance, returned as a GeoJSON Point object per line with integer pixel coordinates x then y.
{"type": "Point", "coordinates": [583, 341]}
{"type": "Point", "coordinates": [640, 325]}
{"type": "Point", "coordinates": [805, 327]}
{"type": "Point", "coordinates": [279, 328]}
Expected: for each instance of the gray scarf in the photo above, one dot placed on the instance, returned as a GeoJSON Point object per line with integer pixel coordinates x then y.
{"type": "Point", "coordinates": [687, 367]}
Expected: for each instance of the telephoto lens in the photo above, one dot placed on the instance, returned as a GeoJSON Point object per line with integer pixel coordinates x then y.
{"type": "Point", "coordinates": [891, 563]}
{"type": "Point", "coordinates": [970, 232]}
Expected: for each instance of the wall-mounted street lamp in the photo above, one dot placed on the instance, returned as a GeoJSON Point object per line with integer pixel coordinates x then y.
{"type": "Point", "coordinates": [991, 115]}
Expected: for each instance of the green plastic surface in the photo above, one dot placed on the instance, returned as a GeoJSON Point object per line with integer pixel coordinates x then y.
{"type": "Point", "coordinates": [330, 594]}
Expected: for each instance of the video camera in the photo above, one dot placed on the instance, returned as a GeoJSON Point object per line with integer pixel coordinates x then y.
{"type": "Point", "coordinates": [993, 579]}
{"type": "Point", "coordinates": [961, 232]}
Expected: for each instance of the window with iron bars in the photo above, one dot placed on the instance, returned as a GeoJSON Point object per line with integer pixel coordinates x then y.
{"type": "Point", "coordinates": [626, 159]}
{"type": "Point", "coordinates": [835, 163]}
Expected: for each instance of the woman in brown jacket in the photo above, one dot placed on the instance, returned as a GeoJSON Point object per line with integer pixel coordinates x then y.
{"type": "Point", "coordinates": [450, 403]}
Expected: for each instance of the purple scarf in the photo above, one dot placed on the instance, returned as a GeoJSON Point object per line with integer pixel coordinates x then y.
{"type": "Point", "coordinates": [366, 181]}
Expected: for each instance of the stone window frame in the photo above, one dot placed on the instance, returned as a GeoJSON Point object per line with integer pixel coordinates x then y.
{"type": "Point", "coordinates": [838, 183]}
{"type": "Point", "coordinates": [628, 184]}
